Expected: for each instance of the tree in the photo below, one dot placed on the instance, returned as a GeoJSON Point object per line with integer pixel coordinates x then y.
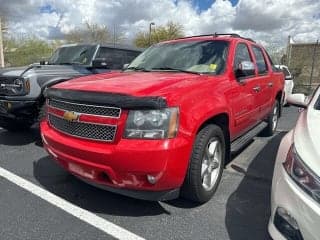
{"type": "Point", "coordinates": [93, 33]}
{"type": "Point", "coordinates": [28, 50]}
{"type": "Point", "coordinates": [168, 32]}
{"type": "Point", "coordinates": [276, 53]}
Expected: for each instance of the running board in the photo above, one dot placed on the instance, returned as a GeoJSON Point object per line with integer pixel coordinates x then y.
{"type": "Point", "coordinates": [240, 142]}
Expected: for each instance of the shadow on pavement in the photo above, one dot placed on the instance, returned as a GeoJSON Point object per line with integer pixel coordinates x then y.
{"type": "Point", "coordinates": [248, 207]}
{"type": "Point", "coordinates": [63, 184]}
{"type": "Point", "coordinates": [20, 138]}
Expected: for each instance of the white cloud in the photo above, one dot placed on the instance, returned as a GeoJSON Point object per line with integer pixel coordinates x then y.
{"type": "Point", "coordinates": [269, 22]}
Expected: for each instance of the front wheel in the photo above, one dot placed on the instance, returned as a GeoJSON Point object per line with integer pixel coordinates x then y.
{"type": "Point", "coordinates": [206, 165]}
{"type": "Point", "coordinates": [15, 125]}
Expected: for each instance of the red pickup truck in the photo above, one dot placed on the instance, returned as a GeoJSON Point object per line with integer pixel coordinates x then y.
{"type": "Point", "coordinates": [165, 126]}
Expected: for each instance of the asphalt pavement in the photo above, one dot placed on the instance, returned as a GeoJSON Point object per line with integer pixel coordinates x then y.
{"type": "Point", "coordinates": [55, 205]}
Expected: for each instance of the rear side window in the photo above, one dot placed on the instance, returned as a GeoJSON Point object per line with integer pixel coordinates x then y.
{"type": "Point", "coordinates": [286, 72]}
{"type": "Point", "coordinates": [131, 55]}
{"type": "Point", "coordinates": [116, 58]}
{"type": "Point", "coordinates": [261, 62]}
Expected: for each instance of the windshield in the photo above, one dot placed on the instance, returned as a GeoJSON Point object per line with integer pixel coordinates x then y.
{"type": "Point", "coordinates": [286, 72]}
{"type": "Point", "coordinates": [81, 55]}
{"type": "Point", "coordinates": [191, 56]}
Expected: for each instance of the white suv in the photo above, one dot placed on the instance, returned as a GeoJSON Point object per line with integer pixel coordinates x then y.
{"type": "Point", "coordinates": [295, 197]}
{"type": "Point", "coordinates": [289, 84]}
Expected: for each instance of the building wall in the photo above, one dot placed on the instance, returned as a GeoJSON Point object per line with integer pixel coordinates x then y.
{"type": "Point", "coordinates": [300, 58]}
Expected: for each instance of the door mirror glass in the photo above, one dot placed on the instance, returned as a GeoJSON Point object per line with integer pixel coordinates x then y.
{"type": "Point", "coordinates": [100, 63]}
{"type": "Point", "coordinates": [245, 69]}
{"type": "Point", "coordinates": [125, 66]}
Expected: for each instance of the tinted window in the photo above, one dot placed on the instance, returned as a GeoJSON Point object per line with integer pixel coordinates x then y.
{"type": "Point", "coordinates": [131, 55]}
{"type": "Point", "coordinates": [115, 58]}
{"type": "Point", "coordinates": [261, 62]}
{"type": "Point", "coordinates": [78, 54]}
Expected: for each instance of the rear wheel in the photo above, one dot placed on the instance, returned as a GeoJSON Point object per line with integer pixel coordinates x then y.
{"type": "Point", "coordinates": [272, 120]}
{"type": "Point", "coordinates": [206, 165]}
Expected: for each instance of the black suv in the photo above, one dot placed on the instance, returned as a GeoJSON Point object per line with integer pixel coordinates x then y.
{"type": "Point", "coordinates": [21, 88]}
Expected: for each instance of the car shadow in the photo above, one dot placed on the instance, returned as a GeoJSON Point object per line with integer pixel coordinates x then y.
{"type": "Point", "coordinates": [248, 207]}
{"type": "Point", "coordinates": [20, 138]}
{"type": "Point", "coordinates": [70, 188]}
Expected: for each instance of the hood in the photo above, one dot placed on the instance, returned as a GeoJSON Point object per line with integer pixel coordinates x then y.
{"type": "Point", "coordinates": [135, 83]}
{"type": "Point", "coordinates": [46, 70]}
{"type": "Point", "coordinates": [14, 71]}
{"type": "Point", "coordinates": [307, 138]}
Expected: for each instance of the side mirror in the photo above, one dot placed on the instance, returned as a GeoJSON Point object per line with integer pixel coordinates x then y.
{"type": "Point", "coordinates": [297, 100]}
{"type": "Point", "coordinates": [245, 69]}
{"type": "Point", "coordinates": [100, 63]}
{"type": "Point", "coordinates": [44, 61]}
{"type": "Point", "coordinates": [125, 66]}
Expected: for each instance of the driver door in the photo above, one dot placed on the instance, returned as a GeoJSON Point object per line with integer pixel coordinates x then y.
{"type": "Point", "coordinates": [245, 108]}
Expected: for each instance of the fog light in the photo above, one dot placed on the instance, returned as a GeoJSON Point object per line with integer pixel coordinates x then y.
{"type": "Point", "coordinates": [9, 105]}
{"type": "Point", "coordinates": [287, 225]}
{"type": "Point", "coordinates": [152, 179]}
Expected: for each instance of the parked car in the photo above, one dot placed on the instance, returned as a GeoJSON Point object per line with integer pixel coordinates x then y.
{"type": "Point", "coordinates": [166, 125]}
{"type": "Point", "coordinates": [295, 201]}
{"type": "Point", "coordinates": [289, 83]}
{"type": "Point", "coordinates": [21, 88]}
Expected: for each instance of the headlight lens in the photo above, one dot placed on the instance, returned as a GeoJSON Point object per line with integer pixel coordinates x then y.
{"type": "Point", "coordinates": [152, 124]}
{"type": "Point", "coordinates": [302, 175]}
{"type": "Point", "coordinates": [18, 86]}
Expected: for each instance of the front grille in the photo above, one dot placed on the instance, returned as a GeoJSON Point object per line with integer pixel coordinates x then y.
{"type": "Point", "coordinates": [83, 130]}
{"type": "Point", "coordinates": [87, 109]}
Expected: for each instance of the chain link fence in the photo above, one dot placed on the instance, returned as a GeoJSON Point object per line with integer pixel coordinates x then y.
{"type": "Point", "coordinates": [303, 60]}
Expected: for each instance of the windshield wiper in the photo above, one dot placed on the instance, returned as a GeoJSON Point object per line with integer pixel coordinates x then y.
{"type": "Point", "coordinates": [70, 63]}
{"type": "Point", "coordinates": [138, 69]}
{"type": "Point", "coordinates": [176, 69]}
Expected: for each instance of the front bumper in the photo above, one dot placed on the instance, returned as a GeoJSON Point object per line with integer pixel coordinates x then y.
{"type": "Point", "coordinates": [289, 196]}
{"type": "Point", "coordinates": [288, 88]}
{"type": "Point", "coordinates": [123, 166]}
{"type": "Point", "coordinates": [17, 109]}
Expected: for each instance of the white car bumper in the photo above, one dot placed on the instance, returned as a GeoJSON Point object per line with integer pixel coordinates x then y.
{"type": "Point", "coordinates": [288, 87]}
{"type": "Point", "coordinates": [287, 195]}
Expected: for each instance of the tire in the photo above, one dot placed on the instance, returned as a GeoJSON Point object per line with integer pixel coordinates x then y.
{"type": "Point", "coordinates": [42, 113]}
{"type": "Point", "coordinates": [272, 120]}
{"type": "Point", "coordinates": [15, 125]}
{"type": "Point", "coordinates": [209, 144]}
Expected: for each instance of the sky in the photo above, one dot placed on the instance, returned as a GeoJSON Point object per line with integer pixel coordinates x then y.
{"type": "Point", "coordinates": [269, 22]}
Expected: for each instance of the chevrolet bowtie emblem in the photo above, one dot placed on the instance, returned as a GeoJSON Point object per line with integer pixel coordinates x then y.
{"type": "Point", "coordinates": [71, 116]}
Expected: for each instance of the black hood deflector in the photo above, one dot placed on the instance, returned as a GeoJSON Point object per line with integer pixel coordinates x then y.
{"type": "Point", "coordinates": [107, 99]}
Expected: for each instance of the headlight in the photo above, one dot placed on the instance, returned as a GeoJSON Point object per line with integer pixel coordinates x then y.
{"type": "Point", "coordinates": [302, 175]}
{"type": "Point", "coordinates": [18, 86]}
{"type": "Point", "coordinates": [152, 124]}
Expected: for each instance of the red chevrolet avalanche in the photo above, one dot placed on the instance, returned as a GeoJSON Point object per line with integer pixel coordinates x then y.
{"type": "Point", "coordinates": [165, 126]}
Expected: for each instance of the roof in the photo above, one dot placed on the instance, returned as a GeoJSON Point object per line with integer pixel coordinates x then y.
{"type": "Point", "coordinates": [215, 35]}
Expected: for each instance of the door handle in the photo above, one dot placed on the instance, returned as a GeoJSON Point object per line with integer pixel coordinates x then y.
{"type": "Point", "coordinates": [270, 84]}
{"type": "Point", "coordinates": [257, 89]}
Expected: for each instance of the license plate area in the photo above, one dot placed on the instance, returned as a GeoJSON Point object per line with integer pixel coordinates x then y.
{"type": "Point", "coordinates": [81, 171]}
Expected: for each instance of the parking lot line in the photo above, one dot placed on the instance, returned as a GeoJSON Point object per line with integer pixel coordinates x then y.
{"type": "Point", "coordinates": [82, 214]}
